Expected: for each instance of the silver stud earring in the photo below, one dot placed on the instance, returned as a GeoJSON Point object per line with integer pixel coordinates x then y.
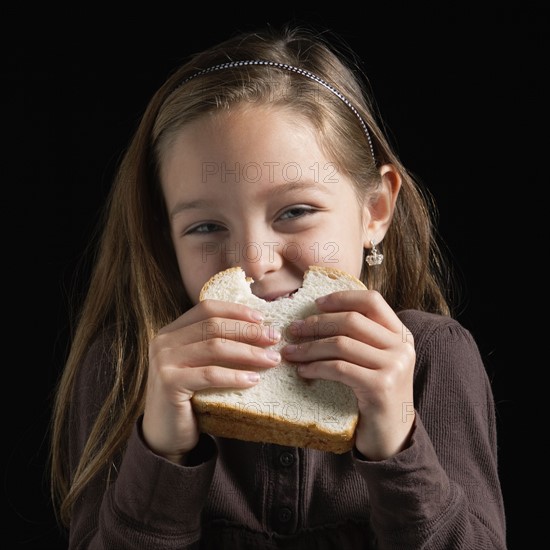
{"type": "Point", "coordinates": [374, 257]}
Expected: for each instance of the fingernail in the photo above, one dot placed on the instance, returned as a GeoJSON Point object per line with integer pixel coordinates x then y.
{"type": "Point", "coordinates": [252, 376]}
{"type": "Point", "coordinates": [257, 315]}
{"type": "Point", "coordinates": [272, 333]}
{"type": "Point", "coordinates": [291, 348]}
{"type": "Point", "coordinates": [273, 355]}
{"type": "Point", "coordinates": [321, 300]}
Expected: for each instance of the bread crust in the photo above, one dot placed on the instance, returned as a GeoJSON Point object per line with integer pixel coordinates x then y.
{"type": "Point", "coordinates": [215, 279]}
{"type": "Point", "coordinates": [228, 424]}
{"type": "Point", "coordinates": [232, 420]}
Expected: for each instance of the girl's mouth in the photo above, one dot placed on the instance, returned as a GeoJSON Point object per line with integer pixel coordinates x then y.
{"type": "Point", "coordinates": [282, 297]}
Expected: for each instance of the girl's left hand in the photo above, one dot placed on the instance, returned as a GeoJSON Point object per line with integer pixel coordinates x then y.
{"type": "Point", "coordinates": [360, 341]}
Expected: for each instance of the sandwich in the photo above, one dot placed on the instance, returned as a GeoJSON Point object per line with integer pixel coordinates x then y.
{"type": "Point", "coordinates": [282, 408]}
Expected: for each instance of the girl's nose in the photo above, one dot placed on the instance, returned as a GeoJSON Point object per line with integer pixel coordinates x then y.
{"type": "Point", "coordinates": [257, 257]}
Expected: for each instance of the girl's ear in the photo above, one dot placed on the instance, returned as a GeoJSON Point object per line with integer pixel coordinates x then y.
{"type": "Point", "coordinates": [379, 206]}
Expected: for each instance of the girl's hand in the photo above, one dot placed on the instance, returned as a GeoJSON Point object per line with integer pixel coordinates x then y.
{"type": "Point", "coordinates": [361, 342]}
{"type": "Point", "coordinates": [213, 345]}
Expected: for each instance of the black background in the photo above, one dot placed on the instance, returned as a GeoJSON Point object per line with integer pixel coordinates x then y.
{"type": "Point", "coordinates": [459, 88]}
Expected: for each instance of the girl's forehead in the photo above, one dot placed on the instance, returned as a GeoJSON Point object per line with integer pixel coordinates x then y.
{"type": "Point", "coordinates": [262, 118]}
{"type": "Point", "coordinates": [254, 145]}
{"type": "Point", "coordinates": [250, 133]}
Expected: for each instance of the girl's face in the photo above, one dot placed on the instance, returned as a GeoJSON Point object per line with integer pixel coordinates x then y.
{"type": "Point", "coordinates": [252, 188]}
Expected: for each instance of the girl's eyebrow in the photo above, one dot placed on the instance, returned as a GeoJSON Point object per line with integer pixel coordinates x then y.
{"type": "Point", "coordinates": [292, 186]}
{"type": "Point", "coordinates": [289, 187]}
{"type": "Point", "coordinates": [181, 206]}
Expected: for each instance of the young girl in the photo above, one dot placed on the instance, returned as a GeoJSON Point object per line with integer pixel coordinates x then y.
{"type": "Point", "coordinates": [265, 152]}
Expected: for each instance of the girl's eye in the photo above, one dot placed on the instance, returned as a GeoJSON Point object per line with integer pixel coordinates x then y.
{"type": "Point", "coordinates": [296, 212]}
{"type": "Point", "coordinates": [208, 227]}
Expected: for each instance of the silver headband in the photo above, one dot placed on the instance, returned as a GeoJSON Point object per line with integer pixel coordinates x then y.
{"type": "Point", "coordinates": [303, 72]}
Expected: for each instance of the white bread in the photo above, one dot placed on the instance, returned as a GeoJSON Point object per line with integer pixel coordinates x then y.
{"type": "Point", "coordinates": [282, 408]}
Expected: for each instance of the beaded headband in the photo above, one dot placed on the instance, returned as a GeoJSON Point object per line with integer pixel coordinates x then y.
{"type": "Point", "coordinates": [303, 72]}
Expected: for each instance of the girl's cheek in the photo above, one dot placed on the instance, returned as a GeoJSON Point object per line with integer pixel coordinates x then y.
{"type": "Point", "coordinates": [313, 252]}
{"type": "Point", "coordinates": [193, 276]}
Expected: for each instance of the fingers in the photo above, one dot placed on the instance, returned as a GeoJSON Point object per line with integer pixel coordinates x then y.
{"type": "Point", "coordinates": [208, 309]}
{"type": "Point", "coordinates": [337, 348]}
{"type": "Point", "coordinates": [191, 379]}
{"type": "Point", "coordinates": [226, 329]}
{"type": "Point", "coordinates": [358, 340]}
{"type": "Point", "coordinates": [367, 302]}
{"type": "Point", "coordinates": [215, 344]}
{"type": "Point", "coordinates": [226, 353]}
{"type": "Point", "coordinates": [356, 334]}
{"type": "Point", "coordinates": [352, 324]}
{"type": "Point", "coordinates": [212, 319]}
{"type": "Point", "coordinates": [351, 362]}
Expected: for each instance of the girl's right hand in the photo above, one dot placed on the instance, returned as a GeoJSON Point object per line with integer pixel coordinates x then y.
{"type": "Point", "coordinates": [213, 345]}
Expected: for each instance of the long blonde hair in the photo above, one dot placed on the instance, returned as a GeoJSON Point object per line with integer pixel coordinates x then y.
{"type": "Point", "coordinates": [135, 287]}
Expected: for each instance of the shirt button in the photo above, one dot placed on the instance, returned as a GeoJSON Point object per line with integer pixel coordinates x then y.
{"type": "Point", "coordinates": [286, 459]}
{"type": "Point", "coordinates": [285, 514]}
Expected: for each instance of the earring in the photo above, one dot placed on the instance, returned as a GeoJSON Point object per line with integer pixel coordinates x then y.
{"type": "Point", "coordinates": [374, 257]}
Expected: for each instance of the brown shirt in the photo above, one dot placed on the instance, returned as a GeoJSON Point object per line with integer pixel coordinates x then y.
{"type": "Point", "coordinates": [442, 492]}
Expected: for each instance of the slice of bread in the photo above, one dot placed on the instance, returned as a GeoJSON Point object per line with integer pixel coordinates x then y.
{"type": "Point", "coordinates": [282, 408]}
